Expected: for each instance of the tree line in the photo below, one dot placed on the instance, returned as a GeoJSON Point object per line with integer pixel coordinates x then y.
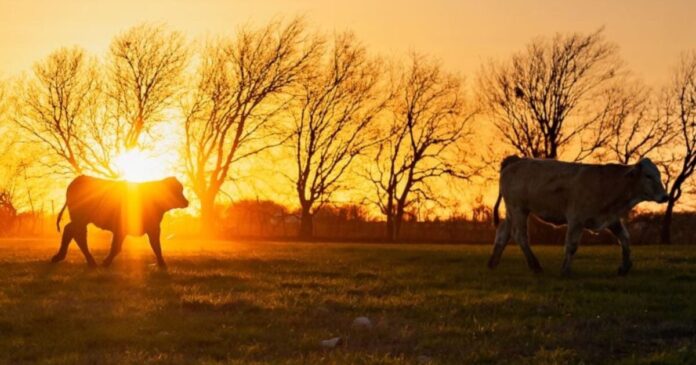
{"type": "Point", "coordinates": [342, 113]}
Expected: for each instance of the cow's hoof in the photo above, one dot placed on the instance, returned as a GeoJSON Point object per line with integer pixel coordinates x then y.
{"type": "Point", "coordinates": [537, 270]}
{"type": "Point", "coordinates": [566, 273]}
{"type": "Point", "coordinates": [162, 265]}
{"type": "Point", "coordinates": [92, 264]}
{"type": "Point", "coordinates": [624, 269]}
{"type": "Point", "coordinates": [106, 264]}
{"type": "Point", "coordinates": [56, 259]}
{"type": "Point", "coordinates": [493, 263]}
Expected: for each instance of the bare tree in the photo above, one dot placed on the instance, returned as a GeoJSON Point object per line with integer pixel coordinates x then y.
{"type": "Point", "coordinates": [241, 86]}
{"type": "Point", "coordinates": [332, 113]}
{"type": "Point", "coordinates": [554, 95]}
{"type": "Point", "coordinates": [3, 100]}
{"type": "Point", "coordinates": [681, 112]}
{"type": "Point", "coordinates": [59, 107]}
{"type": "Point", "coordinates": [8, 211]}
{"type": "Point", "coordinates": [427, 117]}
{"type": "Point", "coordinates": [8, 167]}
{"type": "Point", "coordinates": [4, 144]}
{"type": "Point", "coordinates": [7, 129]}
{"type": "Point", "coordinates": [639, 126]}
{"type": "Point", "coordinates": [146, 64]}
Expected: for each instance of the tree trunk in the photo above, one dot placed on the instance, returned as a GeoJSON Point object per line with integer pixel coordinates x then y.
{"type": "Point", "coordinates": [306, 223]}
{"type": "Point", "coordinates": [553, 153]}
{"type": "Point", "coordinates": [666, 234]}
{"type": "Point", "coordinates": [398, 219]}
{"type": "Point", "coordinates": [389, 233]}
{"type": "Point", "coordinates": [208, 221]}
{"type": "Point", "coordinates": [674, 195]}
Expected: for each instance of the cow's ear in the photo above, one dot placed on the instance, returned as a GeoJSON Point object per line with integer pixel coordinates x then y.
{"type": "Point", "coordinates": [644, 162]}
{"type": "Point", "coordinates": [173, 183]}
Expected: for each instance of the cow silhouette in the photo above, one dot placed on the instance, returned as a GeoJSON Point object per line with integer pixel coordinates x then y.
{"type": "Point", "coordinates": [122, 207]}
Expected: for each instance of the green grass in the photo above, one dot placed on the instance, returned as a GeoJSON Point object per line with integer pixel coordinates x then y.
{"type": "Point", "coordinates": [230, 302]}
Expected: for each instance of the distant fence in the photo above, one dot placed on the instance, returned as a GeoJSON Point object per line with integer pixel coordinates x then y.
{"type": "Point", "coordinates": [27, 224]}
{"type": "Point", "coordinates": [281, 225]}
{"type": "Point", "coordinates": [644, 229]}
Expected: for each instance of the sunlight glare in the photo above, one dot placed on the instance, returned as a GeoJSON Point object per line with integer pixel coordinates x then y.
{"type": "Point", "coordinates": [137, 166]}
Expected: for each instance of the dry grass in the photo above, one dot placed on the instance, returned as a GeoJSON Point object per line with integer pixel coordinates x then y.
{"type": "Point", "coordinates": [229, 302]}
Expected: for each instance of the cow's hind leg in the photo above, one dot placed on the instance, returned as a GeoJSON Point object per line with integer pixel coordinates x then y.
{"type": "Point", "coordinates": [116, 245]}
{"type": "Point", "coordinates": [521, 236]}
{"type": "Point", "coordinates": [64, 243]}
{"type": "Point", "coordinates": [621, 234]}
{"type": "Point", "coordinates": [573, 235]}
{"type": "Point", "coordinates": [80, 234]}
{"type": "Point", "coordinates": [502, 237]}
{"type": "Point", "coordinates": [154, 238]}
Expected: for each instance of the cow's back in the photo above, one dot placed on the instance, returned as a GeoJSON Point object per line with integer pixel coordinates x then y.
{"type": "Point", "coordinates": [553, 189]}
{"type": "Point", "coordinates": [538, 186]}
{"type": "Point", "coordinates": [98, 201]}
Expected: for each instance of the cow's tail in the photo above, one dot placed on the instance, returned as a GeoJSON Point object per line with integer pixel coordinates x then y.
{"type": "Point", "coordinates": [496, 217]}
{"type": "Point", "coordinates": [60, 215]}
{"type": "Point", "coordinates": [507, 161]}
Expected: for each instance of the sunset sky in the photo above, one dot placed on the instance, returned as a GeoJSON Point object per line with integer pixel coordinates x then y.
{"type": "Point", "coordinates": [462, 33]}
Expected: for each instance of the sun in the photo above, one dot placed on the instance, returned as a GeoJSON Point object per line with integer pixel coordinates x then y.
{"type": "Point", "coordinates": [137, 166]}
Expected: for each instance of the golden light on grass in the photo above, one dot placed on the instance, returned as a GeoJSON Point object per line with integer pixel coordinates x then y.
{"type": "Point", "coordinates": [136, 165]}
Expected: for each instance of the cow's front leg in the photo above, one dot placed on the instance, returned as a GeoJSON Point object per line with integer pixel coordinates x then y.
{"type": "Point", "coordinates": [80, 234]}
{"type": "Point", "coordinates": [573, 235]}
{"type": "Point", "coordinates": [519, 231]}
{"type": "Point", "coordinates": [154, 237]}
{"type": "Point", "coordinates": [116, 245]}
{"type": "Point", "coordinates": [621, 234]}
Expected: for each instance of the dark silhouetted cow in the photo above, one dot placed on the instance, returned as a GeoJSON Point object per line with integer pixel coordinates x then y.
{"type": "Point", "coordinates": [122, 207]}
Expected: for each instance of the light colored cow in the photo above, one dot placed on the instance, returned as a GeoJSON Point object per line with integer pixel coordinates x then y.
{"type": "Point", "coordinates": [583, 196]}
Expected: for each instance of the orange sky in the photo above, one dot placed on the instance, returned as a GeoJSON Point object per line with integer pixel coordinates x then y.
{"type": "Point", "coordinates": [462, 33]}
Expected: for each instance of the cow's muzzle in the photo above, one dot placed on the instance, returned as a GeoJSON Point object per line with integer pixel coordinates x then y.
{"type": "Point", "coordinates": [663, 199]}
{"type": "Point", "coordinates": [182, 203]}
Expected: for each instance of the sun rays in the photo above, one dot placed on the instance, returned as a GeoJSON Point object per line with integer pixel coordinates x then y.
{"type": "Point", "coordinates": [137, 166]}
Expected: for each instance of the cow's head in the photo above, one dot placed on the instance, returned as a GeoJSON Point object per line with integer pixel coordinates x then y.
{"type": "Point", "coordinates": [650, 187]}
{"type": "Point", "coordinates": [174, 193]}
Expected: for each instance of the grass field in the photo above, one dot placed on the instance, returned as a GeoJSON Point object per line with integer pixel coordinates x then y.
{"type": "Point", "coordinates": [229, 302]}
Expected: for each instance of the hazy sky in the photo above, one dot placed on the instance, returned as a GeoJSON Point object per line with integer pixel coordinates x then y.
{"type": "Point", "coordinates": [462, 33]}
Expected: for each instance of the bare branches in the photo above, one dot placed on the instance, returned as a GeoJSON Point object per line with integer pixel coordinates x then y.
{"type": "Point", "coordinates": [681, 112]}
{"type": "Point", "coordinates": [242, 84]}
{"type": "Point", "coordinates": [83, 118]}
{"type": "Point", "coordinates": [3, 101]}
{"type": "Point", "coordinates": [145, 68]}
{"type": "Point", "coordinates": [7, 143]}
{"type": "Point", "coordinates": [552, 94]}
{"type": "Point", "coordinates": [335, 106]}
{"type": "Point", "coordinates": [60, 106]}
{"type": "Point", "coordinates": [639, 124]}
{"type": "Point", "coordinates": [427, 117]}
